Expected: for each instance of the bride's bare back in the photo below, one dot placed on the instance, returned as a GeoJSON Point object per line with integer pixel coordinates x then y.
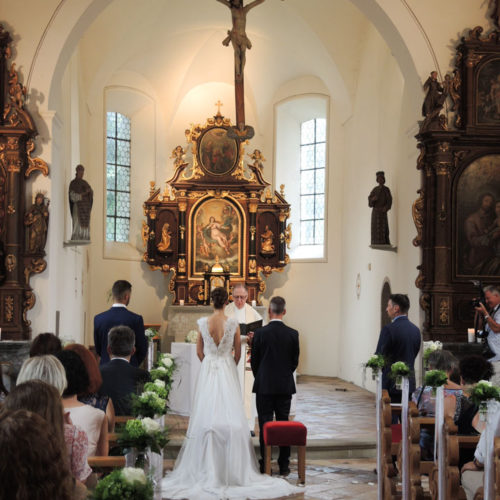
{"type": "Point", "coordinates": [216, 324]}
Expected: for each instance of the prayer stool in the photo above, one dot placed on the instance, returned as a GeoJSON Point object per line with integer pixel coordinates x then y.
{"type": "Point", "coordinates": [285, 433]}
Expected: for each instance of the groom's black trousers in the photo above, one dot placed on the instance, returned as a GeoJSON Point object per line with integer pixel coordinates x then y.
{"type": "Point", "coordinates": [269, 405]}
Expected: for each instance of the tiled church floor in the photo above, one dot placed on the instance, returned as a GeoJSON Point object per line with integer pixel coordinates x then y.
{"type": "Point", "coordinates": [332, 409]}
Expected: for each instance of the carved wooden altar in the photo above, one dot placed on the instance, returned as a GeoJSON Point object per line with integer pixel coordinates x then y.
{"type": "Point", "coordinates": [18, 259]}
{"type": "Point", "coordinates": [458, 210]}
{"type": "Point", "coordinates": [216, 218]}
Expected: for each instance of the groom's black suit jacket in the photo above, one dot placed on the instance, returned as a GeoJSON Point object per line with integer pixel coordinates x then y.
{"type": "Point", "coordinates": [275, 356]}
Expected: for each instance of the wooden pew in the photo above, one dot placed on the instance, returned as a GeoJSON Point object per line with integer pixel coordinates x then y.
{"type": "Point", "coordinates": [417, 467]}
{"type": "Point", "coordinates": [122, 419]}
{"type": "Point", "coordinates": [452, 444]}
{"type": "Point", "coordinates": [100, 464]}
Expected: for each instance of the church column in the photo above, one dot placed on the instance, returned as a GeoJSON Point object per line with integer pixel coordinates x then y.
{"type": "Point", "coordinates": [252, 247]}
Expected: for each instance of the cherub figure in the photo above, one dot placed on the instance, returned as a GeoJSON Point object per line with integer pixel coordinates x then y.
{"type": "Point", "coordinates": [257, 158]}
{"type": "Point", "coordinates": [237, 35]}
{"type": "Point", "coordinates": [178, 154]}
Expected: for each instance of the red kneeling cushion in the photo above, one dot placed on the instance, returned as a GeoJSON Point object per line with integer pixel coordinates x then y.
{"type": "Point", "coordinates": [284, 433]}
{"type": "Point", "coordinates": [397, 433]}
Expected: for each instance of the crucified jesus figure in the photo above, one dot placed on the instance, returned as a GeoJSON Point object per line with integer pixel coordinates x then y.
{"type": "Point", "coordinates": [237, 35]}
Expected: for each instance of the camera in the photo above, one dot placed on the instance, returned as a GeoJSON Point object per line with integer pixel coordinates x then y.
{"type": "Point", "coordinates": [477, 301]}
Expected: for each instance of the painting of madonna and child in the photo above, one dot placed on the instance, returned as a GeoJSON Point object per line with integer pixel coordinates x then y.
{"type": "Point", "coordinates": [218, 229]}
{"type": "Point", "coordinates": [478, 218]}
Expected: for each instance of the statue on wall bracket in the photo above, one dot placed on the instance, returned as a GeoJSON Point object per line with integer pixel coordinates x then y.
{"type": "Point", "coordinates": [81, 197]}
{"type": "Point", "coordinates": [380, 200]}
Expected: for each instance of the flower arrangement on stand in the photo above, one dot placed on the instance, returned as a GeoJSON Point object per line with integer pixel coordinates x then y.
{"type": "Point", "coordinates": [429, 347]}
{"type": "Point", "coordinates": [483, 392]}
{"type": "Point", "coordinates": [435, 379]}
{"type": "Point", "coordinates": [164, 369]}
{"type": "Point", "coordinates": [157, 386]}
{"type": "Point", "coordinates": [124, 484]}
{"type": "Point", "coordinates": [148, 404]}
{"type": "Point", "coordinates": [399, 369]}
{"type": "Point", "coordinates": [151, 333]}
{"type": "Point", "coordinates": [376, 363]}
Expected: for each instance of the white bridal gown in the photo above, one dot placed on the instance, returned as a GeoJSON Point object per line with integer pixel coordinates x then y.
{"type": "Point", "coordinates": [217, 460]}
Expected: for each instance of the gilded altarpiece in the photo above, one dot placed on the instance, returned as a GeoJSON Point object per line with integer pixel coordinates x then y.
{"type": "Point", "coordinates": [457, 213]}
{"type": "Point", "coordinates": [216, 214]}
{"type": "Point", "coordinates": [20, 256]}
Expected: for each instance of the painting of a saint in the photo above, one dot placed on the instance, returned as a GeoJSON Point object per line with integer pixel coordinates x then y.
{"type": "Point", "coordinates": [218, 230]}
{"type": "Point", "coordinates": [488, 97]}
{"type": "Point", "coordinates": [218, 153]}
{"type": "Point", "coordinates": [478, 218]}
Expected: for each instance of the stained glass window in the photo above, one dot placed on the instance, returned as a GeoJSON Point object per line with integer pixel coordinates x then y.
{"type": "Point", "coordinates": [312, 181]}
{"type": "Point", "coordinates": [117, 177]}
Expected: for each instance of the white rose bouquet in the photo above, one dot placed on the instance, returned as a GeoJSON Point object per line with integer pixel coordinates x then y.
{"type": "Point", "coordinates": [148, 404]}
{"type": "Point", "coordinates": [151, 333]}
{"type": "Point", "coordinates": [142, 434]}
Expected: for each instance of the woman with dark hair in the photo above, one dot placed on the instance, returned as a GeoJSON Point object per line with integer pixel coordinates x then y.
{"type": "Point", "coordinates": [34, 465]}
{"type": "Point", "coordinates": [93, 421]}
{"type": "Point", "coordinates": [43, 399]}
{"type": "Point", "coordinates": [45, 343]}
{"type": "Point", "coordinates": [217, 459]}
{"type": "Point", "coordinates": [90, 396]}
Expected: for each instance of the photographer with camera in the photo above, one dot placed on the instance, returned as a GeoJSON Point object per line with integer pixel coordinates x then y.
{"type": "Point", "coordinates": [491, 326]}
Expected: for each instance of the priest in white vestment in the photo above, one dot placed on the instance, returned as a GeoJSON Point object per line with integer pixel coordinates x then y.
{"type": "Point", "coordinates": [239, 309]}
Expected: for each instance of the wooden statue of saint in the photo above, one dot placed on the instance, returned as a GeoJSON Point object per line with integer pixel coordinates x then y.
{"type": "Point", "coordinates": [36, 220]}
{"type": "Point", "coordinates": [380, 199]}
{"type": "Point", "coordinates": [81, 198]}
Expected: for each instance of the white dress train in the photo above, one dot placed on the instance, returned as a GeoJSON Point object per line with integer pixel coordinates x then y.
{"type": "Point", "coordinates": [217, 460]}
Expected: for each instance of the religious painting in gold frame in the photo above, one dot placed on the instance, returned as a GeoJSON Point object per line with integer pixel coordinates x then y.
{"type": "Point", "coordinates": [217, 233]}
{"type": "Point", "coordinates": [218, 154]}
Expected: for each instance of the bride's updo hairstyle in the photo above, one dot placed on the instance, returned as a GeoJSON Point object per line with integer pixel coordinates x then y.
{"type": "Point", "coordinates": [219, 297]}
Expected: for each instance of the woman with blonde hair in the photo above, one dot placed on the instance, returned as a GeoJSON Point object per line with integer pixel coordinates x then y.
{"type": "Point", "coordinates": [47, 368]}
{"type": "Point", "coordinates": [43, 399]}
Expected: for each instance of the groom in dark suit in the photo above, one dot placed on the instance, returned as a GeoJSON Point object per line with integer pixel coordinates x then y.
{"type": "Point", "coordinates": [120, 315]}
{"type": "Point", "coordinates": [275, 356]}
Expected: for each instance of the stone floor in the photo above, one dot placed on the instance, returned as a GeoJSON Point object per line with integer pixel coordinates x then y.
{"type": "Point", "coordinates": [332, 409]}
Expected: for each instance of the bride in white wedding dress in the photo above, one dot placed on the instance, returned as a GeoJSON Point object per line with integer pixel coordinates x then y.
{"type": "Point", "coordinates": [217, 460]}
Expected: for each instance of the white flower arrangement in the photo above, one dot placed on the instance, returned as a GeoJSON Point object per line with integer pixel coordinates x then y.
{"type": "Point", "coordinates": [431, 346]}
{"type": "Point", "coordinates": [151, 426]}
{"type": "Point", "coordinates": [131, 475]}
{"type": "Point", "coordinates": [192, 337]}
{"type": "Point", "coordinates": [166, 362]}
{"type": "Point", "coordinates": [160, 383]}
{"type": "Point", "coordinates": [150, 333]}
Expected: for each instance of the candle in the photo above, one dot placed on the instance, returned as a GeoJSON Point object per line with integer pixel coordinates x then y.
{"type": "Point", "coordinates": [254, 303]}
{"type": "Point", "coordinates": [470, 335]}
{"type": "Point", "coordinates": [181, 302]}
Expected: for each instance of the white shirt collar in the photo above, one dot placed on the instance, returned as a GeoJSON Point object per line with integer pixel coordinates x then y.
{"type": "Point", "coordinates": [119, 305]}
{"type": "Point", "coordinates": [118, 357]}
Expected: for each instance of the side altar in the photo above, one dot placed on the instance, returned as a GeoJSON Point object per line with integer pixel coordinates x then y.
{"type": "Point", "coordinates": [217, 222]}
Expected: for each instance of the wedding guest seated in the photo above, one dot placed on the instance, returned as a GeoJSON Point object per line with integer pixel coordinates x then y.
{"type": "Point", "coordinates": [426, 402]}
{"type": "Point", "coordinates": [465, 414]}
{"type": "Point", "coordinates": [45, 343]}
{"type": "Point", "coordinates": [34, 464]}
{"type": "Point", "coordinates": [43, 399]}
{"type": "Point", "coordinates": [93, 421]}
{"type": "Point", "coordinates": [91, 396]}
{"type": "Point", "coordinates": [473, 472]}
{"type": "Point", "coordinates": [120, 379]}
{"type": "Point", "coordinates": [46, 368]}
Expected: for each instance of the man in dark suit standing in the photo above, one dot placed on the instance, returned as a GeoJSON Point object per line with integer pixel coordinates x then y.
{"type": "Point", "coordinates": [398, 341]}
{"type": "Point", "coordinates": [275, 356]}
{"type": "Point", "coordinates": [120, 315]}
{"type": "Point", "coordinates": [119, 378]}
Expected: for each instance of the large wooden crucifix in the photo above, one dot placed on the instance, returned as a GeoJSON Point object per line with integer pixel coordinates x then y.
{"type": "Point", "coordinates": [238, 37]}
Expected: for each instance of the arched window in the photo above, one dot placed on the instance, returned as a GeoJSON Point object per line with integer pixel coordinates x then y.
{"type": "Point", "coordinates": [301, 155]}
{"type": "Point", "coordinates": [117, 177]}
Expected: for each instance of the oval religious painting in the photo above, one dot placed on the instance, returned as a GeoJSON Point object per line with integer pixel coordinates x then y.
{"type": "Point", "coordinates": [217, 152]}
